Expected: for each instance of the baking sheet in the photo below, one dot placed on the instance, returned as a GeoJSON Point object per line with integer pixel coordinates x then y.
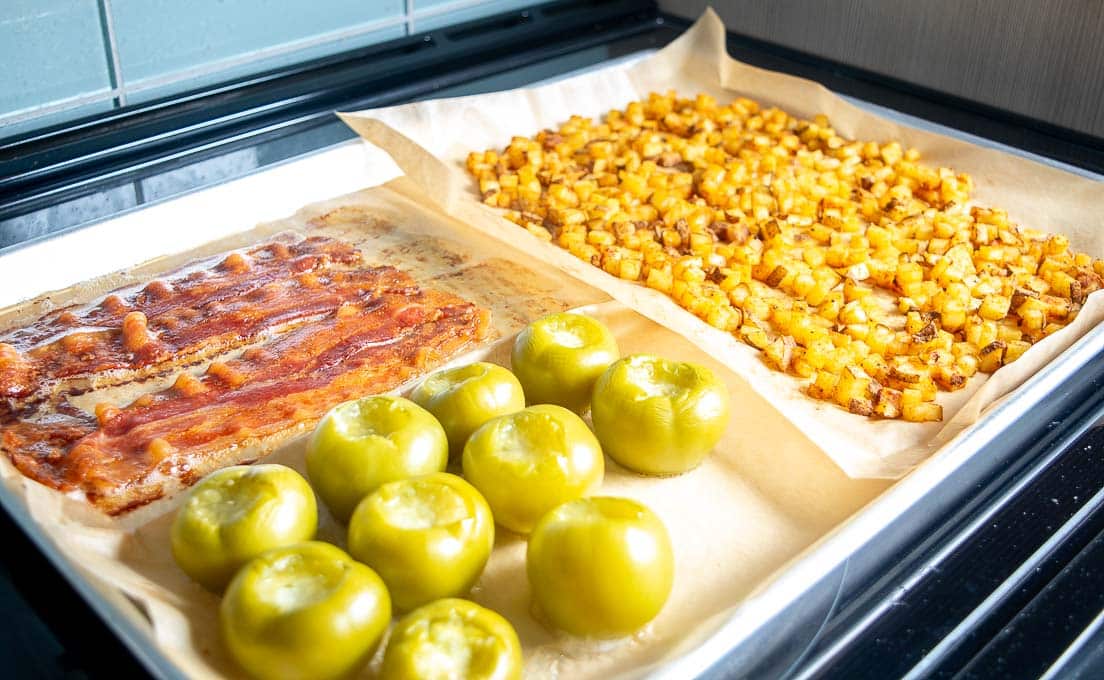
{"type": "Point", "coordinates": [775, 514]}
{"type": "Point", "coordinates": [422, 139]}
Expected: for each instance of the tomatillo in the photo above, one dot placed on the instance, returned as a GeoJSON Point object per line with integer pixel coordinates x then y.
{"type": "Point", "coordinates": [452, 639]}
{"type": "Point", "coordinates": [527, 463]}
{"type": "Point", "coordinates": [427, 537]}
{"type": "Point", "coordinates": [465, 397]}
{"type": "Point", "coordinates": [557, 358]}
{"type": "Point", "coordinates": [304, 611]}
{"type": "Point", "coordinates": [600, 567]}
{"type": "Point", "coordinates": [237, 513]}
{"type": "Point", "coordinates": [364, 443]}
{"type": "Point", "coordinates": [659, 417]}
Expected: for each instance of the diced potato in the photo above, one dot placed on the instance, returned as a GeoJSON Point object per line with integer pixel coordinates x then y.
{"type": "Point", "coordinates": [824, 386]}
{"type": "Point", "coordinates": [922, 412]}
{"type": "Point", "coordinates": [754, 336]}
{"type": "Point", "coordinates": [829, 255]}
{"type": "Point", "coordinates": [888, 403]}
{"type": "Point", "coordinates": [994, 307]}
{"type": "Point", "coordinates": [991, 356]}
{"type": "Point", "coordinates": [779, 352]}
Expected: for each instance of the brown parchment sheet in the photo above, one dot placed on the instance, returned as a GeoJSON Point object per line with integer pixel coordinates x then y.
{"type": "Point", "coordinates": [750, 480]}
{"type": "Point", "coordinates": [430, 141]}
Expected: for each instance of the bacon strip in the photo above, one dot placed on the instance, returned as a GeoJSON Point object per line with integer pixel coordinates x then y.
{"type": "Point", "coordinates": [190, 315]}
{"type": "Point", "coordinates": [120, 458]}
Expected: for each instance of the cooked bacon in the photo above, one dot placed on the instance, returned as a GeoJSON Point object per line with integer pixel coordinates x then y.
{"type": "Point", "coordinates": [275, 392]}
{"type": "Point", "coordinates": [183, 318]}
{"type": "Point", "coordinates": [370, 343]}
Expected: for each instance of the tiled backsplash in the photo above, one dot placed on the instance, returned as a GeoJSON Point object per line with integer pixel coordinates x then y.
{"type": "Point", "coordinates": [63, 59]}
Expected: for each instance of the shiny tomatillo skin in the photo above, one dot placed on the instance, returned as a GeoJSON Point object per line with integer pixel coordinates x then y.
{"type": "Point", "coordinates": [452, 639]}
{"type": "Point", "coordinates": [364, 443]}
{"type": "Point", "coordinates": [527, 463]}
{"type": "Point", "coordinates": [304, 612]}
{"type": "Point", "coordinates": [558, 357]}
{"type": "Point", "coordinates": [465, 397]}
{"type": "Point", "coordinates": [659, 417]}
{"type": "Point", "coordinates": [427, 537]}
{"type": "Point", "coordinates": [234, 514]}
{"type": "Point", "coordinates": [600, 567]}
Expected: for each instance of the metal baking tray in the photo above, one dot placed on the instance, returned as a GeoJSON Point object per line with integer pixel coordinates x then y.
{"type": "Point", "coordinates": [770, 627]}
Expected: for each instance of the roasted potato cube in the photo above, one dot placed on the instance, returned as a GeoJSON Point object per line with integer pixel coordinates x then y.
{"type": "Point", "coordinates": [823, 386]}
{"type": "Point", "coordinates": [887, 404]}
{"type": "Point", "coordinates": [1015, 350]}
{"type": "Point", "coordinates": [991, 356]}
{"type": "Point", "coordinates": [994, 307]}
{"type": "Point", "coordinates": [779, 352]}
{"type": "Point", "coordinates": [754, 336]}
{"type": "Point", "coordinates": [922, 412]}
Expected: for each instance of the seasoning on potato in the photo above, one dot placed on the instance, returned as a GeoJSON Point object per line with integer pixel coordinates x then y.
{"type": "Point", "coordinates": [449, 639]}
{"type": "Point", "coordinates": [427, 537]}
{"type": "Point", "coordinates": [558, 357]}
{"type": "Point", "coordinates": [600, 567]}
{"type": "Point", "coordinates": [876, 279]}
{"type": "Point", "coordinates": [364, 443]}
{"type": "Point", "coordinates": [465, 397]}
{"type": "Point", "coordinates": [306, 611]}
{"type": "Point", "coordinates": [527, 463]}
{"type": "Point", "coordinates": [237, 513]}
{"type": "Point", "coordinates": [657, 416]}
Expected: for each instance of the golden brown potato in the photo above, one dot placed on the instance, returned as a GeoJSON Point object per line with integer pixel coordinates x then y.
{"type": "Point", "coordinates": [828, 254]}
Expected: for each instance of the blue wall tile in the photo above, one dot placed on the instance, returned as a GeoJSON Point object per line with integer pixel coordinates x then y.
{"type": "Point", "coordinates": [252, 67]}
{"type": "Point", "coordinates": [49, 50]}
{"type": "Point", "coordinates": [53, 51]}
{"type": "Point", "coordinates": [158, 37]}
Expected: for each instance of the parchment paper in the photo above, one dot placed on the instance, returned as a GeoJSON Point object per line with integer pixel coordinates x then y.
{"type": "Point", "coordinates": [775, 499]}
{"type": "Point", "coordinates": [430, 141]}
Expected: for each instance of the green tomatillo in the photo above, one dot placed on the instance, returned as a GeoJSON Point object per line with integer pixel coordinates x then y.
{"type": "Point", "coordinates": [364, 443]}
{"type": "Point", "coordinates": [237, 513]}
{"type": "Point", "coordinates": [558, 357]}
{"type": "Point", "coordinates": [452, 639]}
{"type": "Point", "coordinates": [427, 537]}
{"type": "Point", "coordinates": [304, 612]}
{"type": "Point", "coordinates": [465, 397]}
{"type": "Point", "coordinates": [600, 567]}
{"type": "Point", "coordinates": [657, 416]}
{"type": "Point", "coordinates": [527, 463]}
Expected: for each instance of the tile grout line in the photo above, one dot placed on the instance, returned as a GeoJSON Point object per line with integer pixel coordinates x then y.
{"type": "Point", "coordinates": [111, 44]}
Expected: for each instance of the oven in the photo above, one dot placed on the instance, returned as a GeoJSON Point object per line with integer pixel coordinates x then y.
{"type": "Point", "coordinates": [995, 571]}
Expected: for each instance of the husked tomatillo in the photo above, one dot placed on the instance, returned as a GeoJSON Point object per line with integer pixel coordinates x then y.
{"type": "Point", "coordinates": [465, 397]}
{"type": "Point", "coordinates": [364, 443]}
{"type": "Point", "coordinates": [657, 416]}
{"type": "Point", "coordinates": [527, 463]}
{"type": "Point", "coordinates": [427, 537]}
{"type": "Point", "coordinates": [600, 567]}
{"type": "Point", "coordinates": [304, 612]}
{"type": "Point", "coordinates": [557, 358]}
{"type": "Point", "coordinates": [234, 514]}
{"type": "Point", "coordinates": [452, 639]}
